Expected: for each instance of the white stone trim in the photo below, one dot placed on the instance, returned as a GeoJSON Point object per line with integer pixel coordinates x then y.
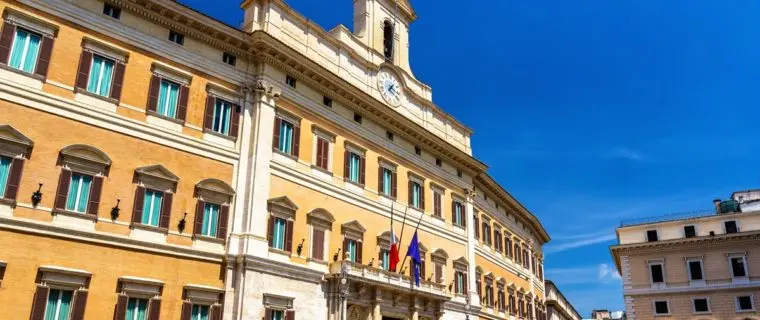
{"type": "Point", "coordinates": [223, 92]}
{"type": "Point", "coordinates": [687, 289]}
{"type": "Point", "coordinates": [751, 301]}
{"type": "Point", "coordinates": [59, 85]}
{"type": "Point", "coordinates": [171, 73]}
{"type": "Point", "coordinates": [62, 277]}
{"type": "Point", "coordinates": [694, 306]}
{"type": "Point", "coordinates": [140, 287]}
{"type": "Point", "coordinates": [106, 49]}
{"type": "Point", "coordinates": [32, 23]}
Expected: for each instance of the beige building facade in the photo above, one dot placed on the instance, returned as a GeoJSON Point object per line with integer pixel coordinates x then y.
{"type": "Point", "coordinates": [557, 306]}
{"type": "Point", "coordinates": [692, 266]}
{"type": "Point", "coordinates": [159, 164]}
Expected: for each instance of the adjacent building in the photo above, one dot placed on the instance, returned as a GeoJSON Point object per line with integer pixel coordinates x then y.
{"type": "Point", "coordinates": [156, 163]}
{"type": "Point", "coordinates": [696, 265]}
{"type": "Point", "coordinates": [557, 306]}
{"type": "Point", "coordinates": [603, 314]}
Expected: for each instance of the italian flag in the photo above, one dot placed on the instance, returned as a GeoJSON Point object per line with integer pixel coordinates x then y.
{"type": "Point", "coordinates": [393, 255]}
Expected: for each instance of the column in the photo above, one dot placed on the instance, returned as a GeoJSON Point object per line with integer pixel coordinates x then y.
{"type": "Point", "coordinates": [376, 312]}
{"type": "Point", "coordinates": [470, 209]}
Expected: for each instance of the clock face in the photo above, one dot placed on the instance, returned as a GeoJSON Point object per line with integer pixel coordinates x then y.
{"type": "Point", "coordinates": [389, 88]}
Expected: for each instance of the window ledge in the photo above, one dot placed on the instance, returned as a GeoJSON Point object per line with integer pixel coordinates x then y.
{"type": "Point", "coordinates": [285, 154]}
{"type": "Point", "coordinates": [745, 311]}
{"type": "Point", "coordinates": [163, 117]}
{"type": "Point", "coordinates": [21, 72]}
{"type": "Point", "coordinates": [135, 225]}
{"type": "Point", "coordinates": [81, 215]}
{"type": "Point", "coordinates": [208, 238]}
{"type": "Point", "coordinates": [8, 202]}
{"type": "Point", "coordinates": [217, 134]}
{"type": "Point", "coordinates": [322, 170]}
{"type": "Point", "coordinates": [21, 77]}
{"type": "Point", "coordinates": [95, 95]}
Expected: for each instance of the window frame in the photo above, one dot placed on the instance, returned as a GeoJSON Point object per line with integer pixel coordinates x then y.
{"type": "Point", "coordinates": [685, 235]}
{"type": "Point", "coordinates": [701, 267]}
{"type": "Point", "coordinates": [751, 303]}
{"type": "Point", "coordinates": [179, 38]}
{"type": "Point", "coordinates": [654, 308]}
{"type": "Point", "coordinates": [661, 263]}
{"type": "Point", "coordinates": [458, 202]}
{"type": "Point", "coordinates": [385, 166]}
{"type": "Point", "coordinates": [744, 265]}
{"type": "Point", "coordinates": [282, 116]}
{"type": "Point", "coordinates": [656, 234]}
{"type": "Point", "coordinates": [31, 24]}
{"type": "Point", "coordinates": [736, 225]}
{"type": "Point", "coordinates": [319, 133]}
{"type": "Point", "coordinates": [115, 12]}
{"type": "Point", "coordinates": [322, 220]}
{"type": "Point", "coordinates": [229, 58]}
{"type": "Point", "coordinates": [694, 305]}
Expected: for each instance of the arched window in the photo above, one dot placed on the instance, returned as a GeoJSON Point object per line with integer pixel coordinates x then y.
{"type": "Point", "coordinates": [388, 40]}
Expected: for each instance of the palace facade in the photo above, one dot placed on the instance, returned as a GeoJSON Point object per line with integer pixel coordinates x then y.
{"type": "Point", "coordinates": [156, 163]}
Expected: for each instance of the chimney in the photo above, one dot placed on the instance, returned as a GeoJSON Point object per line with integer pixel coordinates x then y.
{"type": "Point", "coordinates": [716, 203]}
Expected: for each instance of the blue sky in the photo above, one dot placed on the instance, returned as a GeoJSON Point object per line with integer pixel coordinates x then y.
{"type": "Point", "coordinates": [590, 111]}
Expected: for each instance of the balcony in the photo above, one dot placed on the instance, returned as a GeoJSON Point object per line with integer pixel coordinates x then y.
{"type": "Point", "coordinates": [387, 281]}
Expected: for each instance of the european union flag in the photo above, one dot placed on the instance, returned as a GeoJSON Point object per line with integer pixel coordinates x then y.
{"type": "Point", "coordinates": [414, 253]}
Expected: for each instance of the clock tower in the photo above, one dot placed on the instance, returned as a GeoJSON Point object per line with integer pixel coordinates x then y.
{"type": "Point", "coordinates": [383, 25]}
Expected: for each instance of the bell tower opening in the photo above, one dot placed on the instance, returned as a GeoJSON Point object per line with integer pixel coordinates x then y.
{"type": "Point", "coordinates": [383, 25]}
{"type": "Point", "coordinates": [388, 40]}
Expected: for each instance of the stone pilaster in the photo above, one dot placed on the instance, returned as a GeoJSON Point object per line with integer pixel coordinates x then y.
{"type": "Point", "coordinates": [470, 209]}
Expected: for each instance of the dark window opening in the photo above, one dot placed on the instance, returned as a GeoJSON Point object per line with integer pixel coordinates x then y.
{"type": "Point", "coordinates": [388, 40]}
{"type": "Point", "coordinates": [389, 135]}
{"type": "Point", "coordinates": [357, 118]}
{"type": "Point", "coordinates": [290, 81]}
{"type": "Point", "coordinates": [459, 173]}
{"type": "Point", "coordinates": [112, 11]}
{"type": "Point", "coordinates": [745, 302]}
{"type": "Point", "coordinates": [689, 231]}
{"type": "Point", "coordinates": [418, 151]}
{"type": "Point", "coordinates": [737, 265]}
{"type": "Point", "coordinates": [176, 37]}
{"type": "Point", "coordinates": [651, 235]}
{"type": "Point", "coordinates": [229, 59]}
{"type": "Point", "coordinates": [700, 305]}
{"type": "Point", "coordinates": [438, 162]}
{"type": "Point", "coordinates": [695, 267]}
{"type": "Point", "coordinates": [327, 101]}
{"type": "Point", "coordinates": [730, 227]}
{"type": "Point", "coordinates": [661, 307]}
{"type": "Point", "coordinates": [657, 276]}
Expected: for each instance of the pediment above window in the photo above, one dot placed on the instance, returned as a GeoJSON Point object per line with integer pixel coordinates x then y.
{"type": "Point", "coordinates": [439, 256]}
{"type": "Point", "coordinates": [85, 158]}
{"type": "Point", "coordinates": [384, 239]}
{"type": "Point", "coordinates": [214, 190]}
{"type": "Point", "coordinates": [282, 207]}
{"type": "Point", "coordinates": [13, 143]}
{"type": "Point", "coordinates": [353, 229]}
{"type": "Point", "coordinates": [320, 217]}
{"type": "Point", "coordinates": [461, 263]}
{"type": "Point", "coordinates": [157, 177]}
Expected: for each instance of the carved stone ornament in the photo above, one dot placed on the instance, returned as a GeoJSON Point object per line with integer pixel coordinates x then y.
{"type": "Point", "coordinates": [355, 313]}
{"type": "Point", "coordinates": [262, 86]}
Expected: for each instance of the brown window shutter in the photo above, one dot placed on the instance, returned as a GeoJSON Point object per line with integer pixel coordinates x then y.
{"type": "Point", "coordinates": [296, 140]}
{"type": "Point", "coordinates": [235, 120]}
{"type": "Point", "coordinates": [319, 153]}
{"type": "Point", "coordinates": [438, 272]}
{"type": "Point", "coordinates": [80, 302]}
{"type": "Point", "coordinates": [453, 212]}
{"type": "Point", "coordinates": [43, 62]}
{"type": "Point", "coordinates": [63, 189]}
{"type": "Point", "coordinates": [166, 210]}
{"type": "Point", "coordinates": [394, 187]}
{"type": "Point", "coordinates": [380, 180]}
{"type": "Point", "coordinates": [270, 233]}
{"type": "Point", "coordinates": [359, 245]}
{"type": "Point", "coordinates": [475, 223]}
{"type": "Point", "coordinates": [118, 81]}
{"type": "Point", "coordinates": [289, 236]}
{"type": "Point", "coordinates": [318, 244]}
{"type": "Point", "coordinates": [362, 170]}
{"type": "Point", "coordinates": [276, 133]}
{"type": "Point", "coordinates": [95, 191]}
{"type": "Point", "coordinates": [346, 163]}
{"type": "Point", "coordinates": [268, 314]}
{"type": "Point", "coordinates": [422, 196]}
{"type": "Point", "coordinates": [184, 96]}
{"type": "Point", "coordinates": [411, 192]}
{"type": "Point", "coordinates": [224, 213]}
{"type": "Point", "coordinates": [154, 309]}
{"type": "Point", "coordinates": [6, 41]}
{"type": "Point", "coordinates": [153, 92]}
{"type": "Point", "coordinates": [199, 207]}
{"type": "Point", "coordinates": [464, 217]}
{"type": "Point", "coordinates": [464, 275]}
{"type": "Point", "coordinates": [422, 268]}
{"type": "Point", "coordinates": [39, 303]}
{"type": "Point", "coordinates": [14, 179]}
{"type": "Point", "coordinates": [326, 154]}
{"type": "Point", "coordinates": [345, 248]}
{"type": "Point", "coordinates": [290, 315]}
{"type": "Point", "coordinates": [83, 74]}
{"type": "Point", "coordinates": [138, 206]}
{"type": "Point", "coordinates": [120, 312]}
{"type": "Point", "coordinates": [187, 310]}
{"type": "Point", "coordinates": [216, 312]}
{"type": "Point", "coordinates": [208, 121]}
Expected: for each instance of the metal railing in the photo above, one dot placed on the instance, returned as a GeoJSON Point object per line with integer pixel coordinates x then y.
{"type": "Point", "coordinates": [668, 217]}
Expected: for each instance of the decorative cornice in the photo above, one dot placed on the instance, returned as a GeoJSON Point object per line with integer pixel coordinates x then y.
{"type": "Point", "coordinates": [276, 268]}
{"type": "Point", "coordinates": [516, 207]}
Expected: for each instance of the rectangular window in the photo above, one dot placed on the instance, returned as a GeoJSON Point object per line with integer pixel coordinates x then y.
{"type": "Point", "coordinates": [354, 167]}
{"type": "Point", "coordinates": [210, 220]}
{"type": "Point", "coordinates": [286, 137]}
{"type": "Point", "coordinates": [327, 101]}
{"type": "Point", "coordinates": [656, 273]}
{"type": "Point", "coordinates": [460, 283]}
{"type": "Point", "coordinates": [79, 193]}
{"type": "Point", "coordinates": [744, 303]}
{"type": "Point", "coordinates": [387, 182]}
{"type": "Point", "coordinates": [416, 200]}
{"type": "Point", "coordinates": [438, 162]}
{"type": "Point", "coordinates": [229, 59]}
{"type": "Point", "coordinates": [351, 250]}
{"type": "Point", "coordinates": [438, 270]}
{"type": "Point", "coordinates": [385, 262]}
{"type": "Point", "coordinates": [459, 174]}
{"type": "Point", "coordinates": [417, 151]}
{"type": "Point", "coordinates": [322, 154]}
{"type": "Point", "coordinates": [151, 212]}
{"type": "Point", "coordinates": [730, 227]}
{"type": "Point", "coordinates": [437, 204]}
{"type": "Point", "coordinates": [101, 74]}
{"type": "Point", "coordinates": [137, 309]}
{"type": "Point", "coordinates": [200, 312]}
{"type": "Point", "coordinates": [112, 11]}
{"type": "Point", "coordinates": [701, 305]}
{"type": "Point", "coordinates": [689, 232]}
{"type": "Point", "coordinates": [290, 81]}
{"type": "Point", "coordinates": [25, 50]}
{"type": "Point", "coordinates": [278, 242]}
{"type": "Point", "coordinates": [5, 171]}
{"type": "Point", "coordinates": [651, 235]}
{"type": "Point", "coordinates": [278, 315]}
{"type": "Point", "coordinates": [222, 116]}
{"type": "Point", "coordinates": [176, 37]}
{"type": "Point", "coordinates": [738, 268]}
{"type": "Point", "coordinates": [389, 135]}
{"type": "Point", "coordinates": [168, 98]}
{"type": "Point", "coordinates": [459, 214]}
{"type": "Point", "coordinates": [58, 304]}
{"type": "Point", "coordinates": [661, 308]}
{"type": "Point", "coordinates": [357, 118]}
{"type": "Point", "coordinates": [318, 244]}
{"type": "Point", "coordinates": [695, 270]}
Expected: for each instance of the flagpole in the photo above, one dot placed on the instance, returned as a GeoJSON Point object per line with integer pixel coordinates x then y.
{"type": "Point", "coordinates": [403, 224]}
{"type": "Point", "coordinates": [415, 231]}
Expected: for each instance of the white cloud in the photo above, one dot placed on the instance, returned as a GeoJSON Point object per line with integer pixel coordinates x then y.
{"type": "Point", "coordinates": [590, 239]}
{"type": "Point", "coordinates": [592, 274]}
{"type": "Point", "coordinates": [608, 273]}
{"type": "Point", "coordinates": [625, 153]}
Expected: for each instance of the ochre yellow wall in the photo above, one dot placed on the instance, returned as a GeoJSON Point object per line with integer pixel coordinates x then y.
{"type": "Point", "coordinates": [25, 253]}
{"type": "Point", "coordinates": [51, 133]}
